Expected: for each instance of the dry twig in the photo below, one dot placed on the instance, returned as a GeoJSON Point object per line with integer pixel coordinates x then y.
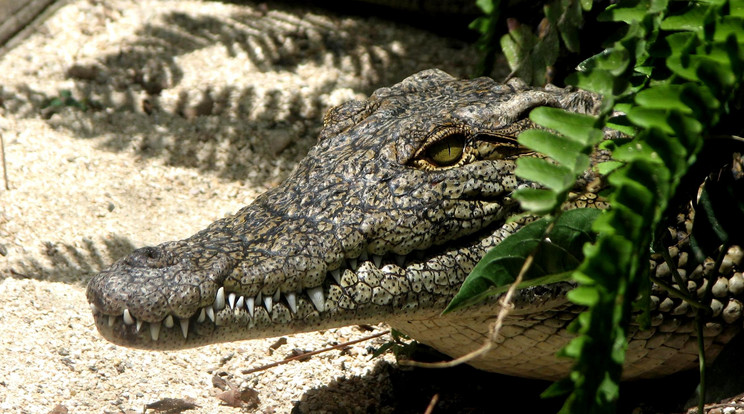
{"type": "Point", "coordinates": [309, 354]}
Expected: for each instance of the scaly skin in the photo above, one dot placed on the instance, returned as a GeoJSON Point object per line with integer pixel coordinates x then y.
{"type": "Point", "coordinates": [381, 221]}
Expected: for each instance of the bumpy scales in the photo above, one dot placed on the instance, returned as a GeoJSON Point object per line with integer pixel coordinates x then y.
{"type": "Point", "coordinates": [382, 221]}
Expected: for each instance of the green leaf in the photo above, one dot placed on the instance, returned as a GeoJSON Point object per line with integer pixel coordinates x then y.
{"type": "Point", "coordinates": [517, 45]}
{"type": "Point", "coordinates": [557, 147]}
{"type": "Point", "coordinates": [583, 295]}
{"type": "Point", "coordinates": [486, 6]}
{"type": "Point", "coordinates": [537, 201]}
{"type": "Point", "coordinates": [615, 60]}
{"type": "Point", "coordinates": [609, 388]}
{"type": "Point", "coordinates": [649, 117]}
{"type": "Point", "coordinates": [607, 167]}
{"type": "Point", "coordinates": [658, 6]}
{"type": "Point", "coordinates": [681, 43]}
{"type": "Point", "coordinates": [715, 67]}
{"type": "Point", "coordinates": [480, 24]}
{"type": "Point", "coordinates": [663, 97]}
{"type": "Point", "coordinates": [622, 124]}
{"type": "Point", "coordinates": [702, 102]}
{"type": "Point", "coordinates": [736, 57]}
{"type": "Point", "coordinates": [737, 8]}
{"type": "Point", "coordinates": [619, 13]}
{"type": "Point", "coordinates": [686, 128]}
{"type": "Point", "coordinates": [728, 26]}
{"type": "Point", "coordinates": [556, 256]}
{"type": "Point", "coordinates": [718, 78]}
{"type": "Point", "coordinates": [558, 388]}
{"type": "Point", "coordinates": [690, 18]}
{"type": "Point", "coordinates": [574, 347]}
{"type": "Point", "coordinates": [567, 18]}
{"type": "Point", "coordinates": [598, 80]}
{"type": "Point", "coordinates": [597, 268]}
{"type": "Point", "coordinates": [577, 127]}
{"type": "Point", "coordinates": [382, 349]}
{"type": "Point", "coordinates": [555, 177]}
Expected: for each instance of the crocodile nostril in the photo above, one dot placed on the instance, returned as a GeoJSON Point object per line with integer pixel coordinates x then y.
{"type": "Point", "coordinates": [147, 257]}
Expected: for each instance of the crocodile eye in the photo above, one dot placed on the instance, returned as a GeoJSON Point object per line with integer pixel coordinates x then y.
{"type": "Point", "coordinates": [447, 151]}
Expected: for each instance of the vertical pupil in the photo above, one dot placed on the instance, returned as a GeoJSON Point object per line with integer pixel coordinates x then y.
{"type": "Point", "coordinates": [446, 151]}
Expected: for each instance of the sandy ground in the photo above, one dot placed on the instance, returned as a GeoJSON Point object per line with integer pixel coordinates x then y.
{"type": "Point", "coordinates": [129, 123]}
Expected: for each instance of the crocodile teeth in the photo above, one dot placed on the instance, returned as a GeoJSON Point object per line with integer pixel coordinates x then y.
{"type": "Point", "coordinates": [231, 300]}
{"type": "Point", "coordinates": [155, 330]}
{"type": "Point", "coordinates": [111, 320]}
{"type": "Point", "coordinates": [94, 308]}
{"type": "Point", "coordinates": [241, 301]}
{"type": "Point", "coordinates": [210, 313]}
{"type": "Point", "coordinates": [267, 303]}
{"type": "Point", "coordinates": [169, 321]}
{"type": "Point", "coordinates": [184, 326]}
{"type": "Point", "coordinates": [316, 296]}
{"type": "Point", "coordinates": [400, 260]}
{"type": "Point", "coordinates": [363, 257]}
{"type": "Point", "coordinates": [277, 295]}
{"type": "Point", "coordinates": [219, 300]}
{"type": "Point", "coordinates": [249, 303]}
{"type": "Point", "coordinates": [139, 325]}
{"type": "Point", "coordinates": [127, 317]}
{"type": "Point", "coordinates": [202, 316]}
{"type": "Point", "coordinates": [336, 273]}
{"type": "Point", "coordinates": [377, 259]}
{"type": "Point", "coordinates": [291, 301]}
{"type": "Point", "coordinates": [353, 264]}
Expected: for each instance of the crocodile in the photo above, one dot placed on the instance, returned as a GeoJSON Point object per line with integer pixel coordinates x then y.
{"type": "Point", "coordinates": [402, 195]}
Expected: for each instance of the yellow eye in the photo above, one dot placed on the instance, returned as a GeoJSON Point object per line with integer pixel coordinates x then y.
{"type": "Point", "coordinates": [447, 151]}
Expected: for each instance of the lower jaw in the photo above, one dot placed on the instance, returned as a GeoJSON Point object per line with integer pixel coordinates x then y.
{"type": "Point", "coordinates": [237, 324]}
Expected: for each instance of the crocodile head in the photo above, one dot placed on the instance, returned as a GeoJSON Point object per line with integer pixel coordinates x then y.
{"type": "Point", "coordinates": [382, 221]}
